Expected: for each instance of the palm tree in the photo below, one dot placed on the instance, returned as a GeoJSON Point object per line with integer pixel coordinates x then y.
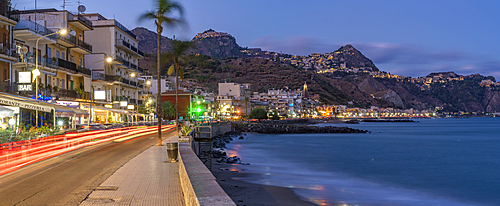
{"type": "Point", "coordinates": [178, 48]}
{"type": "Point", "coordinates": [161, 14]}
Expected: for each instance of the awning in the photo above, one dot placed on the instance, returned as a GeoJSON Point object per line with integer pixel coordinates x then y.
{"type": "Point", "coordinates": [6, 112]}
{"type": "Point", "coordinates": [108, 109]}
{"type": "Point", "coordinates": [24, 102]}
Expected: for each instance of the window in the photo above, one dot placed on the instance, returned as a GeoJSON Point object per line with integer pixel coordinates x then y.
{"type": "Point", "coordinates": [71, 58]}
{"type": "Point", "coordinates": [48, 80]}
{"type": "Point", "coordinates": [62, 83]}
{"type": "Point", "coordinates": [57, 54]}
{"type": "Point", "coordinates": [49, 52]}
{"type": "Point", "coordinates": [57, 81]}
{"type": "Point", "coordinates": [62, 56]}
{"type": "Point", "coordinates": [80, 62]}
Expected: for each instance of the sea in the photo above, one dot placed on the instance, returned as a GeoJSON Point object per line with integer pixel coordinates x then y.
{"type": "Point", "coordinates": [428, 162]}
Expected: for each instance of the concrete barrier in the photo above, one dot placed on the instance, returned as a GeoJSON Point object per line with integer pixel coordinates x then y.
{"type": "Point", "coordinates": [198, 184]}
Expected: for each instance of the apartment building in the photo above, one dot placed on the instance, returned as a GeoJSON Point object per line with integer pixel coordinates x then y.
{"type": "Point", "coordinates": [234, 99]}
{"type": "Point", "coordinates": [119, 79]}
{"type": "Point", "coordinates": [61, 58]}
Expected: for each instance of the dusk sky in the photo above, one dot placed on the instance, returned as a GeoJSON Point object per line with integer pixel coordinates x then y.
{"type": "Point", "coordinates": [410, 38]}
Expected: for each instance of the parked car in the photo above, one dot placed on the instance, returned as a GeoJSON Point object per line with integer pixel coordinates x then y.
{"type": "Point", "coordinates": [92, 127]}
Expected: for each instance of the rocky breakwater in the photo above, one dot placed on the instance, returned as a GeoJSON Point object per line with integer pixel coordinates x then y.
{"type": "Point", "coordinates": [295, 129]}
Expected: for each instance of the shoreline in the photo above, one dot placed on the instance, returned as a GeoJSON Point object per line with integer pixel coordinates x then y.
{"type": "Point", "coordinates": [244, 193]}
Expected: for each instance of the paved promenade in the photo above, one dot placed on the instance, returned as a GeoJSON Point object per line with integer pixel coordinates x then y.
{"type": "Point", "coordinates": [147, 179]}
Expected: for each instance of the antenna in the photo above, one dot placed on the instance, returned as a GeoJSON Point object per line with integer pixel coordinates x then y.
{"type": "Point", "coordinates": [65, 4]}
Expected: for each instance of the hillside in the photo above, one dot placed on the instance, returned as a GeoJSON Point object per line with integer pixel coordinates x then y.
{"type": "Point", "coordinates": [217, 58]}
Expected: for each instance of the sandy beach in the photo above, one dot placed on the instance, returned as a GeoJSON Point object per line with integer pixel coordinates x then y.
{"type": "Point", "coordinates": [243, 193]}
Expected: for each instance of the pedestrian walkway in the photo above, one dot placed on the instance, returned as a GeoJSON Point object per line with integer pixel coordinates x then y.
{"type": "Point", "coordinates": [147, 179]}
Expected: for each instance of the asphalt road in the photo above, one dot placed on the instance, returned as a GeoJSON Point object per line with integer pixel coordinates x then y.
{"type": "Point", "coordinates": [69, 178]}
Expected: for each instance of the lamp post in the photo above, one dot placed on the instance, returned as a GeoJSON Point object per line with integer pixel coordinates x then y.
{"type": "Point", "coordinates": [108, 60]}
{"type": "Point", "coordinates": [36, 72]}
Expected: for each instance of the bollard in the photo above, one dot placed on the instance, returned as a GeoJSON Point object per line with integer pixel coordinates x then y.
{"type": "Point", "coordinates": [172, 151]}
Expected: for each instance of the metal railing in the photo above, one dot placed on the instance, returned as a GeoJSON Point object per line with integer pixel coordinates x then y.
{"type": "Point", "coordinates": [37, 28]}
{"type": "Point", "coordinates": [98, 76]}
{"type": "Point", "coordinates": [83, 19]}
{"type": "Point", "coordinates": [73, 40]}
{"type": "Point", "coordinates": [121, 42]}
{"type": "Point", "coordinates": [132, 101]}
{"type": "Point", "coordinates": [68, 93]}
{"type": "Point", "coordinates": [113, 78]}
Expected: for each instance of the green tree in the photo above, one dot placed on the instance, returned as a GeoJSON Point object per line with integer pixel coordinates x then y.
{"type": "Point", "coordinates": [168, 110]}
{"type": "Point", "coordinates": [178, 49]}
{"type": "Point", "coordinates": [162, 17]}
{"type": "Point", "coordinates": [274, 116]}
{"type": "Point", "coordinates": [258, 113]}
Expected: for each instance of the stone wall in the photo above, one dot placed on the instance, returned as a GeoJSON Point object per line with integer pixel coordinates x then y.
{"type": "Point", "coordinates": [198, 183]}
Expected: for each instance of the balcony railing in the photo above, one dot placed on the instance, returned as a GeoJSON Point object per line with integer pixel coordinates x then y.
{"type": "Point", "coordinates": [132, 101]}
{"type": "Point", "coordinates": [81, 18]}
{"type": "Point", "coordinates": [6, 49]}
{"type": "Point", "coordinates": [75, 41]}
{"type": "Point", "coordinates": [73, 67]}
{"type": "Point", "coordinates": [98, 76]}
{"type": "Point", "coordinates": [113, 78]}
{"type": "Point", "coordinates": [126, 81]}
{"type": "Point", "coordinates": [37, 28]}
{"type": "Point", "coordinates": [68, 93]}
{"type": "Point", "coordinates": [133, 66]}
{"type": "Point", "coordinates": [121, 42]}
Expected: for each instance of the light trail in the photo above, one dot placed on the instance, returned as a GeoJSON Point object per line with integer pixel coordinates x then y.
{"type": "Point", "coordinates": [19, 154]}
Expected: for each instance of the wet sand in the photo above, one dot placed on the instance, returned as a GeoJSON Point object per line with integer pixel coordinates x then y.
{"type": "Point", "coordinates": [243, 193]}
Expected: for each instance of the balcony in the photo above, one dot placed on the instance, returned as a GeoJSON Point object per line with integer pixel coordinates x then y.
{"type": "Point", "coordinates": [127, 47]}
{"type": "Point", "coordinates": [72, 66]}
{"type": "Point", "coordinates": [132, 101]}
{"type": "Point", "coordinates": [71, 41]}
{"type": "Point", "coordinates": [99, 76]}
{"type": "Point", "coordinates": [71, 94]}
{"type": "Point", "coordinates": [80, 21]}
{"type": "Point", "coordinates": [28, 30]}
{"type": "Point", "coordinates": [113, 78]}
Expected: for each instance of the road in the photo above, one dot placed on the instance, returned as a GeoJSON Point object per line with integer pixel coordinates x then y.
{"type": "Point", "coordinates": [69, 178]}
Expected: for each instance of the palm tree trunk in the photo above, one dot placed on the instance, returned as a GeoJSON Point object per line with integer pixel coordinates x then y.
{"type": "Point", "coordinates": [176, 98]}
{"type": "Point", "coordinates": [158, 71]}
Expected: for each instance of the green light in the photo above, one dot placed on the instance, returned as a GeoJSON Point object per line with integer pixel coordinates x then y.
{"type": "Point", "coordinates": [198, 109]}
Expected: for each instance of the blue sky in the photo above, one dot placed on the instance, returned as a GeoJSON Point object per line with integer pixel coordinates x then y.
{"type": "Point", "coordinates": [410, 38]}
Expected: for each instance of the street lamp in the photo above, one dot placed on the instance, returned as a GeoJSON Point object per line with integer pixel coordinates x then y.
{"type": "Point", "coordinates": [108, 60]}
{"type": "Point", "coordinates": [36, 72]}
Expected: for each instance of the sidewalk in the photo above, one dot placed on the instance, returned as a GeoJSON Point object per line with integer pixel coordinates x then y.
{"type": "Point", "coordinates": [147, 179]}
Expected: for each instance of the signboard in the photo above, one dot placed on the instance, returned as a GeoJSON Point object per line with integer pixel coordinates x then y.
{"type": "Point", "coordinates": [18, 103]}
{"type": "Point", "coordinates": [25, 77]}
{"type": "Point", "coordinates": [131, 106]}
{"type": "Point", "coordinates": [100, 95]}
{"type": "Point", "coordinates": [24, 87]}
{"type": "Point", "coordinates": [68, 103]}
{"type": "Point", "coordinates": [123, 103]}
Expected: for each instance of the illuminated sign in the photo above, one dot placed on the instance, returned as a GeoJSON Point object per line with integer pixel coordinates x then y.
{"type": "Point", "coordinates": [108, 106]}
{"type": "Point", "coordinates": [24, 87]}
{"type": "Point", "coordinates": [123, 103]}
{"type": "Point", "coordinates": [100, 95]}
{"type": "Point", "coordinates": [69, 104]}
{"type": "Point", "coordinates": [131, 106]}
{"type": "Point", "coordinates": [25, 77]}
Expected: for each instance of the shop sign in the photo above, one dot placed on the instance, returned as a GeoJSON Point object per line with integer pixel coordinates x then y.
{"type": "Point", "coordinates": [69, 103]}
{"type": "Point", "coordinates": [25, 105]}
{"type": "Point", "coordinates": [24, 77]}
{"type": "Point", "coordinates": [24, 87]}
{"type": "Point", "coordinates": [123, 103]}
{"type": "Point", "coordinates": [100, 95]}
{"type": "Point", "coordinates": [130, 106]}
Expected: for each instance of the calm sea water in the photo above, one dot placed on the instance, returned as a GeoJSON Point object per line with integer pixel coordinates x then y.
{"type": "Point", "coordinates": [433, 162]}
